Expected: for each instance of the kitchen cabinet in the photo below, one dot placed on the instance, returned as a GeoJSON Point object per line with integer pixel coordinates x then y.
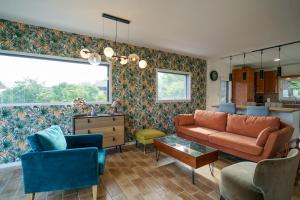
{"type": "Point", "coordinates": [267, 85]}
{"type": "Point", "coordinates": [259, 84]}
{"type": "Point", "coordinates": [243, 89]}
{"type": "Point", "coordinates": [270, 82]}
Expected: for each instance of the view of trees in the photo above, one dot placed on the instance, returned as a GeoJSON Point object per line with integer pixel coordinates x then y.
{"type": "Point", "coordinates": [294, 86]}
{"type": "Point", "coordinates": [172, 86]}
{"type": "Point", "coordinates": [31, 91]}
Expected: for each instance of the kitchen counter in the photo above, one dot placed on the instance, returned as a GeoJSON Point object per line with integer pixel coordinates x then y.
{"type": "Point", "coordinates": [272, 109]}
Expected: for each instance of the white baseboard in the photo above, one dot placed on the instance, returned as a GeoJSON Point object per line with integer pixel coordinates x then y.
{"type": "Point", "coordinates": [11, 165]}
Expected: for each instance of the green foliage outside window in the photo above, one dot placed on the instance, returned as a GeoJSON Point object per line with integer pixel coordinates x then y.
{"type": "Point", "coordinates": [172, 86]}
{"type": "Point", "coordinates": [31, 91]}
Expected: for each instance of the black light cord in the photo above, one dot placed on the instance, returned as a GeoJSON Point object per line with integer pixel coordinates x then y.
{"type": "Point", "coordinates": [279, 49]}
{"type": "Point", "coordinates": [230, 64]}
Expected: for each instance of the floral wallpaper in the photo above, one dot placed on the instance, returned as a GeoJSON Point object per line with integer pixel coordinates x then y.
{"type": "Point", "coordinates": [133, 86]}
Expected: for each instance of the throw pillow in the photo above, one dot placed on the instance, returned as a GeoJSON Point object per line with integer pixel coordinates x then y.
{"type": "Point", "coordinates": [52, 139]}
{"type": "Point", "coordinates": [34, 143]}
{"type": "Point", "coordinates": [263, 136]}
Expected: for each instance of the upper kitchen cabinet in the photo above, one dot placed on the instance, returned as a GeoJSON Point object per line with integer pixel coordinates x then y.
{"type": "Point", "coordinates": [270, 82]}
{"type": "Point", "coordinates": [259, 84]}
{"type": "Point", "coordinates": [267, 85]}
{"type": "Point", "coordinates": [243, 90]}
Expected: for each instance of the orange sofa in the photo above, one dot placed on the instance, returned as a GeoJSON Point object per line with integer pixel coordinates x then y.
{"type": "Point", "coordinates": [250, 137]}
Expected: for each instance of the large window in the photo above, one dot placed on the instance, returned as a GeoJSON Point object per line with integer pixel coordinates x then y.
{"type": "Point", "coordinates": [289, 89]}
{"type": "Point", "coordinates": [173, 85]}
{"type": "Point", "coordinates": [225, 91]}
{"type": "Point", "coordinates": [30, 80]}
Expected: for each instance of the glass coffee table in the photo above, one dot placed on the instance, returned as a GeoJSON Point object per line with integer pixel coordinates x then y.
{"type": "Point", "coordinates": [191, 153]}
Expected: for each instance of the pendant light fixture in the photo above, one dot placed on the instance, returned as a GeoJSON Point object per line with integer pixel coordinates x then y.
{"type": "Point", "coordinates": [94, 58]}
{"type": "Point", "coordinates": [261, 71]}
{"type": "Point", "coordinates": [279, 64]}
{"type": "Point", "coordinates": [230, 74]}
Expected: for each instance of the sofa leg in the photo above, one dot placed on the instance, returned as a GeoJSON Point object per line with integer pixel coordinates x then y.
{"type": "Point", "coordinates": [31, 196]}
{"type": "Point", "coordinates": [145, 149]}
{"type": "Point", "coordinates": [94, 188]}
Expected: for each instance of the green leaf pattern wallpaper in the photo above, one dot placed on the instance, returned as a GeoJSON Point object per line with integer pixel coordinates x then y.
{"type": "Point", "coordinates": [135, 87]}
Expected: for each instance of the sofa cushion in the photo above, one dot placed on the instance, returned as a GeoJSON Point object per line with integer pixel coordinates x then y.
{"type": "Point", "coordinates": [250, 125]}
{"type": "Point", "coordinates": [52, 139]}
{"type": "Point", "coordinates": [201, 133]}
{"type": "Point", "coordinates": [263, 136]}
{"type": "Point", "coordinates": [237, 142]}
{"type": "Point", "coordinates": [186, 119]}
{"type": "Point", "coordinates": [210, 119]}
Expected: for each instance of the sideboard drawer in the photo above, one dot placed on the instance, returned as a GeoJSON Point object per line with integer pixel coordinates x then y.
{"type": "Point", "coordinates": [89, 123]}
{"type": "Point", "coordinates": [113, 140]}
{"type": "Point", "coordinates": [106, 131]}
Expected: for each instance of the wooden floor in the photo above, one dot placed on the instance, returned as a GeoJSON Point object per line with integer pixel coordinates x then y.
{"type": "Point", "coordinates": [133, 175]}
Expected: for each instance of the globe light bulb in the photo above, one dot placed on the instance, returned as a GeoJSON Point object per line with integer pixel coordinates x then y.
{"type": "Point", "coordinates": [142, 64]}
{"type": "Point", "coordinates": [108, 52]}
{"type": "Point", "coordinates": [94, 59]}
{"type": "Point", "coordinates": [123, 60]}
{"type": "Point", "coordinates": [85, 53]}
{"type": "Point", "coordinates": [133, 58]}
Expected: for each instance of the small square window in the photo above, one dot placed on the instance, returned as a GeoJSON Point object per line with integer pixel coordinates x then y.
{"type": "Point", "coordinates": [173, 86]}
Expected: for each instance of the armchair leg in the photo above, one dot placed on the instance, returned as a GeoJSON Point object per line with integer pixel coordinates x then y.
{"type": "Point", "coordinates": [31, 196]}
{"type": "Point", "coordinates": [94, 188]}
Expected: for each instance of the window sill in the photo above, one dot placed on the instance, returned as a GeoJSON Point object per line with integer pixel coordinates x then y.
{"type": "Point", "coordinates": [174, 101]}
{"type": "Point", "coordinates": [49, 104]}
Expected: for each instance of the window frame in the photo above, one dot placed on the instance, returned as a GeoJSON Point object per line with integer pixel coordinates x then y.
{"type": "Point", "coordinates": [188, 84]}
{"type": "Point", "coordinates": [61, 59]}
{"type": "Point", "coordinates": [280, 89]}
{"type": "Point", "coordinates": [228, 90]}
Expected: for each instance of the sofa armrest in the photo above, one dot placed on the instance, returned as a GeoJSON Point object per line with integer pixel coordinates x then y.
{"type": "Point", "coordinates": [60, 169]}
{"type": "Point", "coordinates": [84, 140]}
{"type": "Point", "coordinates": [277, 141]}
{"type": "Point", "coordinates": [184, 119]}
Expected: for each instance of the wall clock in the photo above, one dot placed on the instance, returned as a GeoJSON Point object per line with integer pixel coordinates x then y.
{"type": "Point", "coordinates": [213, 75]}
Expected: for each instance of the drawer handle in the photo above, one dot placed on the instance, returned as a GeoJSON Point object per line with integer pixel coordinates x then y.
{"type": "Point", "coordinates": [114, 129]}
{"type": "Point", "coordinates": [88, 121]}
{"type": "Point", "coordinates": [114, 138]}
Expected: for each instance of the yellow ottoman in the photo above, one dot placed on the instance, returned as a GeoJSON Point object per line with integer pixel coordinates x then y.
{"type": "Point", "coordinates": [146, 136]}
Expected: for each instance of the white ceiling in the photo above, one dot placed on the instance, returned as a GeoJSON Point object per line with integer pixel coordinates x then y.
{"type": "Point", "coordinates": [200, 28]}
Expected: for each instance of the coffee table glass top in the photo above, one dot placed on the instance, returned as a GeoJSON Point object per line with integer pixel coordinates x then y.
{"type": "Point", "coordinates": [186, 146]}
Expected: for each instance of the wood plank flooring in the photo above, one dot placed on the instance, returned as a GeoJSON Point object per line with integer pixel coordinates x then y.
{"type": "Point", "coordinates": [132, 175]}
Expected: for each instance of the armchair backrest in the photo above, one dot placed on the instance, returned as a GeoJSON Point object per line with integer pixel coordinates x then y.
{"type": "Point", "coordinates": [275, 177]}
{"type": "Point", "coordinates": [227, 107]}
{"type": "Point", "coordinates": [258, 110]}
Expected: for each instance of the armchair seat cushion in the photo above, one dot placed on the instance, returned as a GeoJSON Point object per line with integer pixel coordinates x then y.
{"type": "Point", "coordinates": [201, 133]}
{"type": "Point", "coordinates": [101, 160]}
{"type": "Point", "coordinates": [237, 182]}
{"type": "Point", "coordinates": [237, 142]}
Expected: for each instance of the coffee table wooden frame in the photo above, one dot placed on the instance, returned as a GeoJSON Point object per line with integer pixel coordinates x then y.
{"type": "Point", "coordinates": [192, 161]}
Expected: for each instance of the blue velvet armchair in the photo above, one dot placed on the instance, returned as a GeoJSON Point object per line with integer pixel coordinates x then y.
{"type": "Point", "coordinates": [79, 165]}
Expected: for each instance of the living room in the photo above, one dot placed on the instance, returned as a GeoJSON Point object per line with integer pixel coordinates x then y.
{"type": "Point", "coordinates": [106, 100]}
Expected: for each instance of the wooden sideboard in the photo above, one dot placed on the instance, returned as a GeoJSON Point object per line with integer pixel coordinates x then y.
{"type": "Point", "coordinates": [111, 126]}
